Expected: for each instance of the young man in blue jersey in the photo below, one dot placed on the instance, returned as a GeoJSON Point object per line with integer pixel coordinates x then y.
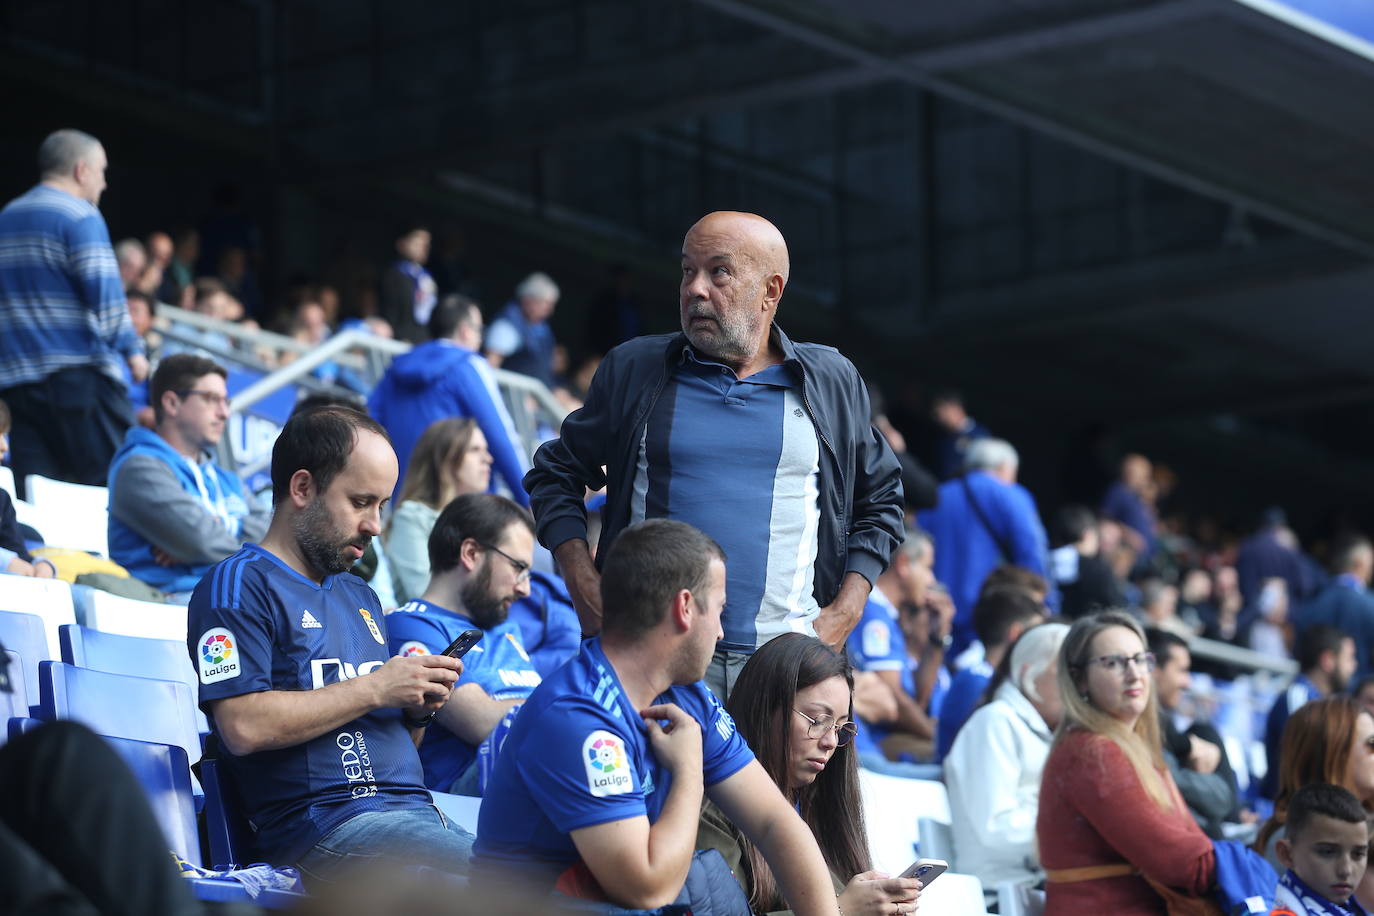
{"type": "Point", "coordinates": [318, 723]}
{"type": "Point", "coordinates": [480, 551]}
{"type": "Point", "coordinates": [603, 772]}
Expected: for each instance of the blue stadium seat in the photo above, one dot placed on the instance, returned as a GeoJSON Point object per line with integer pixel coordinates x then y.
{"type": "Point", "coordinates": [165, 774]}
{"type": "Point", "coordinates": [164, 659]}
{"type": "Point", "coordinates": [226, 827]}
{"type": "Point", "coordinates": [26, 635]}
{"type": "Point", "coordinates": [120, 706]}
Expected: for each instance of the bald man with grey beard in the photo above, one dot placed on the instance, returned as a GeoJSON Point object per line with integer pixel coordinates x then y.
{"type": "Point", "coordinates": [730, 426]}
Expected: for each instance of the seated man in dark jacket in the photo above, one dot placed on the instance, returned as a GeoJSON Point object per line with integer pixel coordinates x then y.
{"type": "Point", "coordinates": [15, 558]}
{"type": "Point", "coordinates": [1195, 757]}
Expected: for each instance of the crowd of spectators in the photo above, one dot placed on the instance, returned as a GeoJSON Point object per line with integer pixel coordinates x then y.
{"type": "Point", "coordinates": [711, 599]}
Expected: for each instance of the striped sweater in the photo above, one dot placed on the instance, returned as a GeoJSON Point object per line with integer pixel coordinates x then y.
{"type": "Point", "coordinates": [61, 301]}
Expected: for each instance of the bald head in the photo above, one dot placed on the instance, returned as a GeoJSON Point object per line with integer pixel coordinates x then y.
{"type": "Point", "coordinates": [748, 235]}
{"type": "Point", "coordinates": [734, 269]}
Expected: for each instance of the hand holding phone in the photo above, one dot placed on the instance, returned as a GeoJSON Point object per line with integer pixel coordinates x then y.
{"type": "Point", "coordinates": [465, 641]}
{"type": "Point", "coordinates": [926, 870]}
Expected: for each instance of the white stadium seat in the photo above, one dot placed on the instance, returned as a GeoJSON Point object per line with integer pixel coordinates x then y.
{"type": "Point", "coordinates": [128, 617]}
{"type": "Point", "coordinates": [50, 599]}
{"type": "Point", "coordinates": [893, 806]}
{"type": "Point", "coordinates": [1015, 899]}
{"type": "Point", "coordinates": [70, 515]}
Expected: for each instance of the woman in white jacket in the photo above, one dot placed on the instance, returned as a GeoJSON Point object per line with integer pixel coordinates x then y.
{"type": "Point", "coordinates": [993, 769]}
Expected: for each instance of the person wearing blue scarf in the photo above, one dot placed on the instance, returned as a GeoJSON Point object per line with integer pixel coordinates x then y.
{"type": "Point", "coordinates": [1325, 849]}
{"type": "Point", "coordinates": [174, 513]}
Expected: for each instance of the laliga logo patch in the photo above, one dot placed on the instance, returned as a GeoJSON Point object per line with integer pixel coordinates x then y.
{"type": "Point", "coordinates": [372, 626]}
{"type": "Point", "coordinates": [608, 770]}
{"type": "Point", "coordinates": [413, 647]}
{"type": "Point", "coordinates": [219, 658]}
{"type": "Point", "coordinates": [877, 639]}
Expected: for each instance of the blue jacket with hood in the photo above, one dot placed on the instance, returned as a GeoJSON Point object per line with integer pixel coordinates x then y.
{"type": "Point", "coordinates": [223, 495]}
{"type": "Point", "coordinates": [437, 380]}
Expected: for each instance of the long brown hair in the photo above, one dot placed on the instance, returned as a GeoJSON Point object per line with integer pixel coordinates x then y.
{"type": "Point", "coordinates": [439, 448]}
{"type": "Point", "coordinates": [1317, 741]}
{"type": "Point", "coordinates": [761, 706]}
{"type": "Point", "coordinates": [1141, 744]}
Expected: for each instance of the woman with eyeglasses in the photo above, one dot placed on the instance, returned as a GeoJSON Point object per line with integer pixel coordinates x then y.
{"type": "Point", "coordinates": [449, 459]}
{"type": "Point", "coordinates": [1329, 740]}
{"type": "Point", "coordinates": [1112, 825]}
{"type": "Point", "coordinates": [993, 770]}
{"type": "Point", "coordinates": [793, 705]}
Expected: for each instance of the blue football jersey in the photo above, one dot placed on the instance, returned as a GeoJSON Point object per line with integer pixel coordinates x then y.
{"type": "Point", "coordinates": [579, 755]}
{"type": "Point", "coordinates": [877, 643]}
{"type": "Point", "coordinates": [255, 624]}
{"type": "Point", "coordinates": [498, 664]}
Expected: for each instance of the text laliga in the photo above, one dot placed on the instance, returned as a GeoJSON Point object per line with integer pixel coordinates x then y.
{"type": "Point", "coordinates": [343, 671]}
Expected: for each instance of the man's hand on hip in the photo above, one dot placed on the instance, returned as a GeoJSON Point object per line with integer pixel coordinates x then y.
{"type": "Point", "coordinates": [583, 582]}
{"type": "Point", "coordinates": [838, 619]}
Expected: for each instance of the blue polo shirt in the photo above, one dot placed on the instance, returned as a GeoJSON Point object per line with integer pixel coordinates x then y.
{"type": "Point", "coordinates": [578, 755]}
{"type": "Point", "coordinates": [497, 663]}
{"type": "Point", "coordinates": [740, 460]}
{"type": "Point", "coordinates": [255, 624]}
{"type": "Point", "coordinates": [958, 705]}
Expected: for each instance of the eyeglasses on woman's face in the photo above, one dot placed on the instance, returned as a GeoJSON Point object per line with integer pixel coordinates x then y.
{"type": "Point", "coordinates": [1116, 664]}
{"type": "Point", "coordinates": [817, 728]}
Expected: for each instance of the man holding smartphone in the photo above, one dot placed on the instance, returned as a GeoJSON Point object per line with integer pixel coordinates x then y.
{"type": "Point", "coordinates": [317, 722]}
{"type": "Point", "coordinates": [480, 551]}
{"type": "Point", "coordinates": [600, 782]}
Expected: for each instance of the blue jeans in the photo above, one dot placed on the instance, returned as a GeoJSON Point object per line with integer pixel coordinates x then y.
{"type": "Point", "coordinates": [412, 836]}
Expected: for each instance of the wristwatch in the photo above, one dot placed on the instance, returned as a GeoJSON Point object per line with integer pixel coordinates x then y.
{"type": "Point", "coordinates": [421, 722]}
{"type": "Point", "coordinates": [941, 642]}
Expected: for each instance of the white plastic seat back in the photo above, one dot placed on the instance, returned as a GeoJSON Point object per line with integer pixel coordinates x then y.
{"type": "Point", "coordinates": [50, 599]}
{"type": "Point", "coordinates": [70, 515]}
{"type": "Point", "coordinates": [893, 807]}
{"type": "Point", "coordinates": [128, 617]}
{"type": "Point", "coordinates": [1016, 899]}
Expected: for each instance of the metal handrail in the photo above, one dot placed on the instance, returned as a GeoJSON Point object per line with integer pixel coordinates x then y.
{"type": "Point", "coordinates": [297, 369]}
{"type": "Point", "coordinates": [1238, 657]}
{"type": "Point", "coordinates": [516, 390]}
{"type": "Point", "coordinates": [169, 316]}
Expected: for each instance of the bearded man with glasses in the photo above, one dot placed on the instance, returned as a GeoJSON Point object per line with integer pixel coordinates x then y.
{"type": "Point", "coordinates": [479, 559]}
{"type": "Point", "coordinates": [174, 513]}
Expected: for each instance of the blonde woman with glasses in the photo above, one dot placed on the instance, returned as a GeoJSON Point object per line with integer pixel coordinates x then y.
{"type": "Point", "coordinates": [1113, 831]}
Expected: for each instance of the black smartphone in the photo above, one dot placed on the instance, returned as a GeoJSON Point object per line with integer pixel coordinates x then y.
{"type": "Point", "coordinates": [465, 641]}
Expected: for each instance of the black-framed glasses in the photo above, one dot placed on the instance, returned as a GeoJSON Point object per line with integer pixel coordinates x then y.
{"type": "Point", "coordinates": [1116, 664]}
{"type": "Point", "coordinates": [522, 569]}
{"type": "Point", "coordinates": [844, 731]}
{"type": "Point", "coordinates": [213, 398]}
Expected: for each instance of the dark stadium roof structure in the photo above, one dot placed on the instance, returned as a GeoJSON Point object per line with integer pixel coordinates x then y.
{"type": "Point", "coordinates": [1157, 215]}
